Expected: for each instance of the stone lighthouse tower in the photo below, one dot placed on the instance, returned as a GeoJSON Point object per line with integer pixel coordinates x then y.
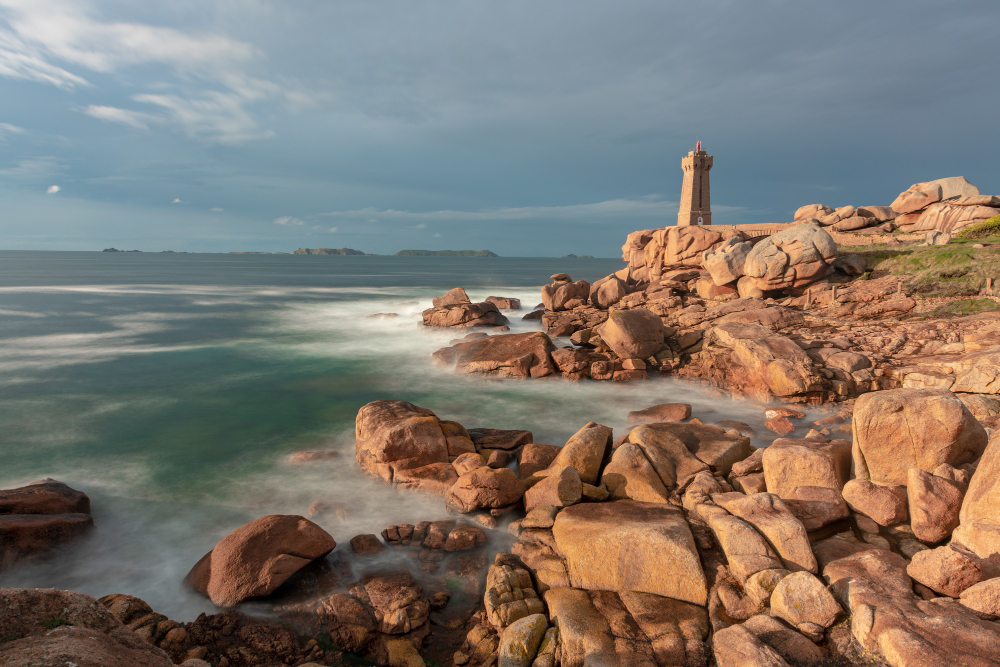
{"type": "Point", "coordinates": [696, 206]}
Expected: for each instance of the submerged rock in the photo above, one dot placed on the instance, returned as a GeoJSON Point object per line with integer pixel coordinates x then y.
{"type": "Point", "coordinates": [455, 309]}
{"type": "Point", "coordinates": [40, 518]}
{"type": "Point", "coordinates": [521, 355]}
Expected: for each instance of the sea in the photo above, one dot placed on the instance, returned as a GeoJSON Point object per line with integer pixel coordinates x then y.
{"type": "Point", "coordinates": [173, 387]}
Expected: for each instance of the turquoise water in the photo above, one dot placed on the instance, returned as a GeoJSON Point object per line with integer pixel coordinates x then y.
{"type": "Point", "coordinates": [173, 387]}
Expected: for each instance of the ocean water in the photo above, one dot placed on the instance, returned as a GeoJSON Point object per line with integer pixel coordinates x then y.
{"type": "Point", "coordinates": [173, 387]}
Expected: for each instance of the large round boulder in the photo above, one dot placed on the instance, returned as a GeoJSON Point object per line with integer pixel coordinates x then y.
{"type": "Point", "coordinates": [794, 257]}
{"type": "Point", "coordinates": [899, 429]}
{"type": "Point", "coordinates": [607, 291]}
{"type": "Point", "coordinates": [725, 261]}
{"type": "Point", "coordinates": [919, 195]}
{"type": "Point", "coordinates": [256, 558]}
{"type": "Point", "coordinates": [636, 333]}
{"type": "Point", "coordinates": [392, 436]}
{"type": "Point", "coordinates": [811, 211]}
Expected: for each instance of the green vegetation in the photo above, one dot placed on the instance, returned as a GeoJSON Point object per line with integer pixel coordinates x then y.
{"type": "Point", "coordinates": [9, 637]}
{"type": "Point", "coordinates": [965, 307]}
{"type": "Point", "coordinates": [956, 269]}
{"type": "Point", "coordinates": [55, 622]}
{"type": "Point", "coordinates": [987, 229]}
{"type": "Point", "coordinates": [446, 253]}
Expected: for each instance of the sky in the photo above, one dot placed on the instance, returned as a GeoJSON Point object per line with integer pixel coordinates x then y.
{"type": "Point", "coordinates": [527, 127]}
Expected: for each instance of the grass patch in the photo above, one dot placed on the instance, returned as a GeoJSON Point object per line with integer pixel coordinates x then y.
{"type": "Point", "coordinates": [9, 637]}
{"type": "Point", "coordinates": [55, 622]}
{"type": "Point", "coordinates": [966, 307]}
{"type": "Point", "coordinates": [956, 269]}
{"type": "Point", "coordinates": [982, 230]}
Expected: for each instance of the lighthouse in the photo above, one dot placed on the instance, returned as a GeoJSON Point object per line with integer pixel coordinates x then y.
{"type": "Point", "coordinates": [696, 205]}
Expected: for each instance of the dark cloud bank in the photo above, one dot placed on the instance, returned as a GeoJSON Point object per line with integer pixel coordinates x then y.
{"type": "Point", "coordinates": [527, 128]}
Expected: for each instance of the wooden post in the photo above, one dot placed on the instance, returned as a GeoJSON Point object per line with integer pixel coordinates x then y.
{"type": "Point", "coordinates": [989, 286]}
{"type": "Point", "coordinates": [809, 297]}
{"type": "Point", "coordinates": [834, 297]}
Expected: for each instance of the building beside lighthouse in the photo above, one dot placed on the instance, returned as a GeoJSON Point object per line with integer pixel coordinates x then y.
{"type": "Point", "coordinates": [696, 204]}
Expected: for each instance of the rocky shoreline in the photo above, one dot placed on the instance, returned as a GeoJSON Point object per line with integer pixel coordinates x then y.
{"type": "Point", "coordinates": [674, 543]}
{"type": "Point", "coordinates": [864, 531]}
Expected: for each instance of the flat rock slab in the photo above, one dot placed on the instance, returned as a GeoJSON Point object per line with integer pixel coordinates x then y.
{"type": "Point", "coordinates": [627, 546]}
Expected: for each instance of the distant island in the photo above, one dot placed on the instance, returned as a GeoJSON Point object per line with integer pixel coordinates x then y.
{"type": "Point", "coordinates": [328, 251]}
{"type": "Point", "coordinates": [572, 256]}
{"type": "Point", "coordinates": [446, 253]}
{"type": "Point", "coordinates": [180, 252]}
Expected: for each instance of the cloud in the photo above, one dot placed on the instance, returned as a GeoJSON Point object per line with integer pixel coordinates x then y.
{"type": "Point", "coordinates": [8, 129]}
{"type": "Point", "coordinates": [52, 189]}
{"type": "Point", "coordinates": [177, 200]}
{"type": "Point", "coordinates": [216, 209]}
{"type": "Point", "coordinates": [212, 115]}
{"type": "Point", "coordinates": [289, 220]}
{"type": "Point", "coordinates": [332, 230]}
{"type": "Point", "coordinates": [134, 119]}
{"type": "Point", "coordinates": [641, 207]}
{"type": "Point", "coordinates": [213, 91]}
{"type": "Point", "coordinates": [63, 30]}
{"type": "Point", "coordinates": [35, 168]}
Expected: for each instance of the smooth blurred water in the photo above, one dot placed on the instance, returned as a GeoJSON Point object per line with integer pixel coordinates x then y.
{"type": "Point", "coordinates": [173, 387]}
